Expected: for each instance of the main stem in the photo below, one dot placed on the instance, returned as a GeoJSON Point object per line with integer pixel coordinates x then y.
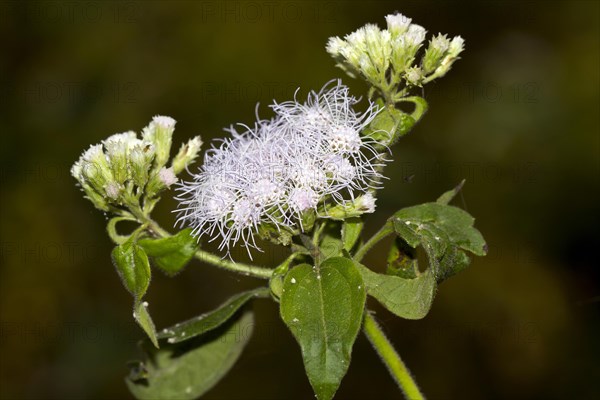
{"type": "Point", "coordinates": [209, 258]}
{"type": "Point", "coordinates": [385, 230]}
{"type": "Point", "coordinates": [391, 358]}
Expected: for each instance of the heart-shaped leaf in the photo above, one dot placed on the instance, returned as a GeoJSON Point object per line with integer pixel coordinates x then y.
{"type": "Point", "coordinates": [323, 307]}
{"type": "Point", "coordinates": [189, 369]}
{"type": "Point", "coordinates": [172, 253]}
{"type": "Point", "coordinates": [209, 321]}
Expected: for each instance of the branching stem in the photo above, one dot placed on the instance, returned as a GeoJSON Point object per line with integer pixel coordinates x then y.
{"type": "Point", "coordinates": [385, 230]}
{"type": "Point", "coordinates": [204, 256]}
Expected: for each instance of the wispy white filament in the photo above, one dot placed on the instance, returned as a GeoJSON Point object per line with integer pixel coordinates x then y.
{"type": "Point", "coordinates": [308, 154]}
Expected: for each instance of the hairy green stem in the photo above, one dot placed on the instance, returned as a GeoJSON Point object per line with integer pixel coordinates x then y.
{"type": "Point", "coordinates": [209, 258]}
{"type": "Point", "coordinates": [385, 230]}
{"type": "Point", "coordinates": [420, 103]}
{"type": "Point", "coordinates": [111, 229]}
{"type": "Point", "coordinates": [391, 358]}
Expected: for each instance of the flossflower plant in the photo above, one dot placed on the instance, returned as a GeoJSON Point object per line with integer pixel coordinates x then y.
{"type": "Point", "coordinates": [303, 179]}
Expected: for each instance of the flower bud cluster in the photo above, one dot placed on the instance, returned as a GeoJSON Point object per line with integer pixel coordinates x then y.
{"type": "Point", "coordinates": [309, 155]}
{"type": "Point", "coordinates": [386, 58]}
{"type": "Point", "coordinates": [122, 168]}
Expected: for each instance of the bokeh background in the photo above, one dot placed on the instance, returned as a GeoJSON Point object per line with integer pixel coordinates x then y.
{"type": "Point", "coordinates": [518, 117]}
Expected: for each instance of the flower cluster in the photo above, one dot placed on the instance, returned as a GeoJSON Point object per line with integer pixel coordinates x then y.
{"type": "Point", "coordinates": [123, 167]}
{"type": "Point", "coordinates": [385, 58]}
{"type": "Point", "coordinates": [309, 156]}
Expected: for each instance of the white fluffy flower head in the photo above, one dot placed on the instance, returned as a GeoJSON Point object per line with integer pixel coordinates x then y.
{"type": "Point", "coordinates": [309, 155]}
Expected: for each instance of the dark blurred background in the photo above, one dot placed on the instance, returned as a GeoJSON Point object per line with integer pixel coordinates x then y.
{"type": "Point", "coordinates": [518, 117]}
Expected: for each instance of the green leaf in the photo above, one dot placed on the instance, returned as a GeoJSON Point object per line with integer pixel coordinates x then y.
{"type": "Point", "coordinates": [278, 276]}
{"type": "Point", "coordinates": [172, 253]}
{"type": "Point", "coordinates": [448, 196]}
{"type": "Point", "coordinates": [323, 308]}
{"type": "Point", "coordinates": [389, 125]}
{"type": "Point", "coordinates": [406, 298]}
{"type": "Point", "coordinates": [402, 260]}
{"type": "Point", "coordinates": [142, 317]}
{"type": "Point", "coordinates": [451, 263]}
{"type": "Point", "coordinates": [351, 230]}
{"type": "Point", "coordinates": [189, 369]}
{"type": "Point", "coordinates": [133, 267]}
{"type": "Point", "coordinates": [444, 232]}
{"type": "Point", "coordinates": [209, 321]}
{"type": "Point", "coordinates": [430, 218]}
{"type": "Point", "coordinates": [331, 243]}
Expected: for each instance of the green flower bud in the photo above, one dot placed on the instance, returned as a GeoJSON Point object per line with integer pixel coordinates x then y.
{"type": "Point", "coordinates": [385, 58]}
{"type": "Point", "coordinates": [438, 47]}
{"type": "Point", "coordinates": [187, 154]}
{"type": "Point", "coordinates": [159, 181]}
{"type": "Point", "coordinates": [455, 47]}
{"type": "Point", "coordinates": [140, 162]}
{"type": "Point", "coordinates": [95, 169]}
{"type": "Point", "coordinates": [167, 177]}
{"type": "Point", "coordinates": [117, 149]}
{"type": "Point", "coordinates": [361, 205]}
{"type": "Point", "coordinates": [77, 172]}
{"type": "Point", "coordinates": [160, 133]}
{"type": "Point", "coordinates": [336, 46]}
{"type": "Point", "coordinates": [405, 47]}
{"type": "Point", "coordinates": [379, 48]}
{"type": "Point", "coordinates": [97, 199]}
{"type": "Point", "coordinates": [368, 69]}
{"type": "Point", "coordinates": [414, 76]}
{"type": "Point", "coordinates": [397, 24]}
{"type": "Point", "coordinates": [113, 191]}
{"type": "Point", "coordinates": [123, 168]}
